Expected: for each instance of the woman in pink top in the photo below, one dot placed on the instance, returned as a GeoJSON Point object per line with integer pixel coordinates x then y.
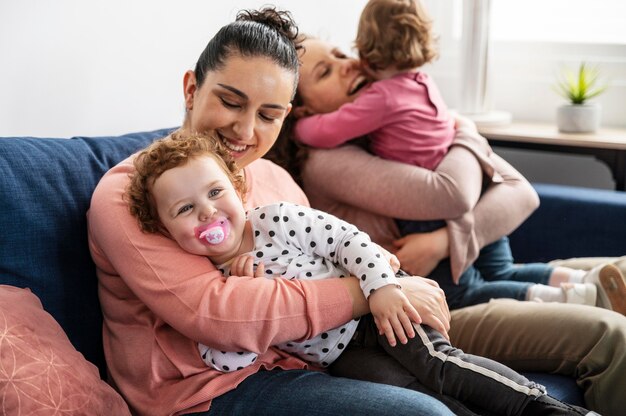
{"type": "Point", "coordinates": [159, 302]}
{"type": "Point", "coordinates": [368, 191]}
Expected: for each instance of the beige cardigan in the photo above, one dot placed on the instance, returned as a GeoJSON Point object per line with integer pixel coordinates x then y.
{"type": "Point", "coordinates": [369, 192]}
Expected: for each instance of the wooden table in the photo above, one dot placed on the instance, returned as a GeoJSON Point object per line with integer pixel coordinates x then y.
{"type": "Point", "coordinates": [607, 145]}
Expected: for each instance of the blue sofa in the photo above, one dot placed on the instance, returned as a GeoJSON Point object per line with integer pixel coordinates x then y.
{"type": "Point", "coordinates": [46, 185]}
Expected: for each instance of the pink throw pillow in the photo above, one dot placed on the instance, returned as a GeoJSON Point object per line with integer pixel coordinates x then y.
{"type": "Point", "coordinates": [40, 371]}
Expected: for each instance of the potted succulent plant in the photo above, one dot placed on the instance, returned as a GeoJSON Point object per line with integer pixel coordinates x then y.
{"type": "Point", "coordinates": [579, 116]}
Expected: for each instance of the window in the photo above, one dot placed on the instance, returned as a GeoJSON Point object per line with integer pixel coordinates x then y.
{"type": "Point", "coordinates": [531, 41]}
{"type": "Point", "coordinates": [567, 21]}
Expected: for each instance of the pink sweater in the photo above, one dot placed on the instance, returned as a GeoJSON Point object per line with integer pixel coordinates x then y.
{"type": "Point", "coordinates": [404, 116]}
{"type": "Point", "coordinates": [159, 302]}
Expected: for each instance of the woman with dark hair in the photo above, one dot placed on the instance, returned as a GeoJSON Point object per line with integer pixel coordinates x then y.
{"type": "Point", "coordinates": [159, 302]}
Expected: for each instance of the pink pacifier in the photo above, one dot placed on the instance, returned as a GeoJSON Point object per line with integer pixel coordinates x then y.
{"type": "Point", "coordinates": [214, 233]}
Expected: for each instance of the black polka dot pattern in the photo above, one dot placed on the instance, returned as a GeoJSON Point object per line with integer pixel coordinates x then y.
{"type": "Point", "coordinates": [289, 240]}
{"type": "Point", "coordinates": [226, 361]}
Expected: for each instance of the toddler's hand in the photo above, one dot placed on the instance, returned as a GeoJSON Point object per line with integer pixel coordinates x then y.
{"type": "Point", "coordinates": [243, 265]}
{"type": "Point", "coordinates": [393, 313]}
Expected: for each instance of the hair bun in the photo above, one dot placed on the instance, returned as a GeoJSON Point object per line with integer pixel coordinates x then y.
{"type": "Point", "coordinates": [280, 20]}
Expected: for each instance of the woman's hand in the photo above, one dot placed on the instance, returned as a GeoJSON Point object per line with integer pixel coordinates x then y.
{"type": "Point", "coordinates": [429, 301]}
{"type": "Point", "coordinates": [420, 253]}
{"type": "Point", "coordinates": [243, 265]}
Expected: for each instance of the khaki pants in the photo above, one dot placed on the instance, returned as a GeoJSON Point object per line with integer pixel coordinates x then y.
{"type": "Point", "coordinates": [583, 342]}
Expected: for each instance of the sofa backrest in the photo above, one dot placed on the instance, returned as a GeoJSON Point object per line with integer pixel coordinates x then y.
{"type": "Point", "coordinates": [45, 191]}
{"type": "Point", "coordinates": [572, 222]}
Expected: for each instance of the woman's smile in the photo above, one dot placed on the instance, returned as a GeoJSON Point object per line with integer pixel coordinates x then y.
{"type": "Point", "coordinates": [246, 116]}
{"type": "Point", "coordinates": [358, 83]}
{"type": "Point", "coordinates": [328, 78]}
{"type": "Point", "coordinates": [231, 144]}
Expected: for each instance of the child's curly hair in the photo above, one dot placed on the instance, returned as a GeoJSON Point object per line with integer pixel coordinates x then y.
{"type": "Point", "coordinates": [395, 33]}
{"type": "Point", "coordinates": [165, 154]}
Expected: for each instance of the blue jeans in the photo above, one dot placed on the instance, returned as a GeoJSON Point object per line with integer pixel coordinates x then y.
{"type": "Point", "coordinates": [493, 274]}
{"type": "Point", "coordinates": [298, 392]}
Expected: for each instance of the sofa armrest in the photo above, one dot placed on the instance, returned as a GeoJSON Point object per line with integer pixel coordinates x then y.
{"type": "Point", "coordinates": [572, 222]}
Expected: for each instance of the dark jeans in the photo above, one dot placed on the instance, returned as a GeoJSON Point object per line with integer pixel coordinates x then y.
{"type": "Point", "coordinates": [429, 363]}
{"type": "Point", "coordinates": [301, 392]}
{"type": "Point", "coordinates": [493, 274]}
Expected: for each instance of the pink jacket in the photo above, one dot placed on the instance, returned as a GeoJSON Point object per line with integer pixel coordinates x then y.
{"type": "Point", "coordinates": [405, 117]}
{"type": "Point", "coordinates": [159, 302]}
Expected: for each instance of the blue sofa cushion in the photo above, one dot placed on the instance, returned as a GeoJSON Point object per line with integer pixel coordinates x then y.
{"type": "Point", "coordinates": [46, 187]}
{"type": "Point", "coordinates": [572, 222]}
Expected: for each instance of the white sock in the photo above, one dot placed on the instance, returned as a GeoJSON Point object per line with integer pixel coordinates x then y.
{"type": "Point", "coordinates": [545, 293]}
{"type": "Point", "coordinates": [578, 276]}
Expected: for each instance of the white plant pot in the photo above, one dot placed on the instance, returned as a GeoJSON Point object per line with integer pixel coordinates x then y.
{"type": "Point", "coordinates": [578, 118]}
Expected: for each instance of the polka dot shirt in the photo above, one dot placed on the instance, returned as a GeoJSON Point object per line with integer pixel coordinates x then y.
{"type": "Point", "coordinates": [296, 242]}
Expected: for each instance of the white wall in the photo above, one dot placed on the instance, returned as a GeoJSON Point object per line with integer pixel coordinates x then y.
{"type": "Point", "coordinates": [522, 76]}
{"type": "Point", "coordinates": [95, 67]}
{"type": "Point", "coordinates": [75, 67]}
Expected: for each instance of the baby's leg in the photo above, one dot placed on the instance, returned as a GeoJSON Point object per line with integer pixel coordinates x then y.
{"type": "Point", "coordinates": [607, 278]}
{"type": "Point", "coordinates": [364, 359]}
{"type": "Point", "coordinates": [495, 263]}
{"type": "Point", "coordinates": [468, 378]}
{"type": "Point", "coordinates": [500, 275]}
{"type": "Point", "coordinates": [473, 289]}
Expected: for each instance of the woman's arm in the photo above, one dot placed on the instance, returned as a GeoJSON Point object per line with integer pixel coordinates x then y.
{"type": "Point", "coordinates": [146, 279]}
{"type": "Point", "coordinates": [503, 206]}
{"type": "Point", "coordinates": [350, 175]}
{"type": "Point", "coordinates": [424, 294]}
{"type": "Point", "coordinates": [151, 279]}
{"type": "Point", "coordinates": [507, 201]}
